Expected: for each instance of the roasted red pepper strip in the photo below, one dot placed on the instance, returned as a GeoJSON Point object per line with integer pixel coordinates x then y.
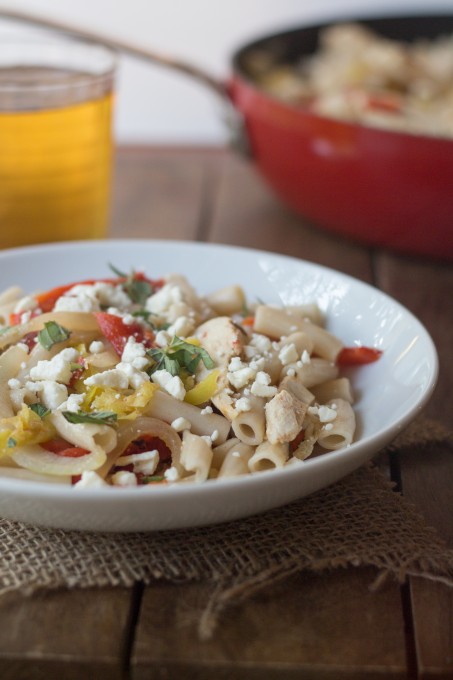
{"type": "Point", "coordinates": [63, 448]}
{"type": "Point", "coordinates": [147, 442]}
{"type": "Point", "coordinates": [117, 332]}
{"type": "Point", "coordinates": [356, 356]}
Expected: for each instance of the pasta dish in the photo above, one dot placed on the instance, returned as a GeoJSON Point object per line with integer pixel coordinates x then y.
{"type": "Point", "coordinates": [359, 76]}
{"type": "Point", "coordinates": [130, 381]}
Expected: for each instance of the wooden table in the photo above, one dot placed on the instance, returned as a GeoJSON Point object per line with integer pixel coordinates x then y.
{"type": "Point", "coordinates": [320, 627]}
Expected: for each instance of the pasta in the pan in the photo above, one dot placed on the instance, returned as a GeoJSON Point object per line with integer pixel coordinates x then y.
{"type": "Point", "coordinates": [130, 381]}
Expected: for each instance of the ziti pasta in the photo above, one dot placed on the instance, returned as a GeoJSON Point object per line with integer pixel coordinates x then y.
{"type": "Point", "coordinates": [131, 381]}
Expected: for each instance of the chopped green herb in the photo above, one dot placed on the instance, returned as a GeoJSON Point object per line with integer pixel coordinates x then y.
{"type": "Point", "coordinates": [97, 417]}
{"type": "Point", "coordinates": [40, 410]}
{"type": "Point", "coordinates": [11, 443]}
{"type": "Point", "coordinates": [152, 478]}
{"type": "Point", "coordinates": [179, 355]}
{"type": "Point", "coordinates": [51, 334]}
{"type": "Point", "coordinates": [4, 330]}
{"type": "Point", "coordinates": [137, 288]}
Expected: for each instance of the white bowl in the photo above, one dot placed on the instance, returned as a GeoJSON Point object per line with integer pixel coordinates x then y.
{"type": "Point", "coordinates": [390, 392]}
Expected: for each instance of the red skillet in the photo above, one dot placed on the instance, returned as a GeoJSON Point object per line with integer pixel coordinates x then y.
{"type": "Point", "coordinates": [380, 187]}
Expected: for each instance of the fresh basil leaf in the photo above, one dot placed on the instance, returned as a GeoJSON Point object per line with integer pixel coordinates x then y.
{"type": "Point", "coordinates": [193, 351]}
{"type": "Point", "coordinates": [97, 417]}
{"type": "Point", "coordinates": [40, 410]}
{"type": "Point", "coordinates": [152, 478]}
{"type": "Point", "coordinates": [172, 365]}
{"type": "Point", "coordinates": [116, 271]}
{"type": "Point", "coordinates": [138, 290]}
{"type": "Point", "coordinates": [11, 443]}
{"type": "Point", "coordinates": [51, 334]}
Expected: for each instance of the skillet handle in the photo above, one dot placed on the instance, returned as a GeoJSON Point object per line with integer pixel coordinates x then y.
{"type": "Point", "coordinates": [231, 116]}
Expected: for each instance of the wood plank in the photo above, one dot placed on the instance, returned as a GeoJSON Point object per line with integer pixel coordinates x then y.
{"type": "Point", "coordinates": [159, 193]}
{"type": "Point", "coordinates": [426, 475]}
{"type": "Point", "coordinates": [316, 627]}
{"type": "Point", "coordinates": [66, 634]}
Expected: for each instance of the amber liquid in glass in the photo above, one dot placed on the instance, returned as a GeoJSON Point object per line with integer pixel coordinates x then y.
{"type": "Point", "coordinates": [55, 161]}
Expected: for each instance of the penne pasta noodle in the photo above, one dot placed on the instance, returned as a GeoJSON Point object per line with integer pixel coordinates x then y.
{"type": "Point", "coordinates": [339, 388]}
{"type": "Point", "coordinates": [236, 461]}
{"type": "Point", "coordinates": [250, 426]}
{"type": "Point", "coordinates": [268, 456]}
{"type": "Point", "coordinates": [196, 456]}
{"type": "Point", "coordinates": [340, 432]}
{"type": "Point", "coordinates": [168, 409]}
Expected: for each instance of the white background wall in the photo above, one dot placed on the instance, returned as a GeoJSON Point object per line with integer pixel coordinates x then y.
{"type": "Point", "coordinates": [156, 105]}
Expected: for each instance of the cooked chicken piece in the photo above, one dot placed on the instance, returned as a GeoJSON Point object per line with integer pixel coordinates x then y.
{"type": "Point", "coordinates": [284, 417]}
{"type": "Point", "coordinates": [295, 387]}
{"type": "Point", "coordinates": [221, 338]}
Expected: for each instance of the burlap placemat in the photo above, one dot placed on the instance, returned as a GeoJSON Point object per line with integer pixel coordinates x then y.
{"type": "Point", "coordinates": [360, 520]}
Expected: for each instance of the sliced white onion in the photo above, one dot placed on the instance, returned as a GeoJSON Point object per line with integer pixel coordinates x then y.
{"type": "Point", "coordinates": [21, 473]}
{"type": "Point", "coordinates": [131, 430]}
{"type": "Point", "coordinates": [39, 460]}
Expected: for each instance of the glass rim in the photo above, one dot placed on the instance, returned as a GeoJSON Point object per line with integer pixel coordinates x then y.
{"type": "Point", "coordinates": [64, 53]}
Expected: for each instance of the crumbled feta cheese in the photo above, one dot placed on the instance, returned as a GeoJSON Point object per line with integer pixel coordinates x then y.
{"type": "Point", "coordinates": [181, 424]}
{"type": "Point", "coordinates": [124, 478]}
{"type": "Point", "coordinates": [25, 317]}
{"type": "Point", "coordinates": [214, 435]}
{"type": "Point", "coordinates": [128, 319]}
{"type": "Point", "coordinates": [328, 426]}
{"type": "Point", "coordinates": [182, 327]}
{"type": "Point", "coordinates": [261, 342]}
{"type": "Point", "coordinates": [207, 410]}
{"type": "Point", "coordinates": [90, 479]}
{"type": "Point", "coordinates": [124, 375]}
{"type": "Point", "coordinates": [14, 383]}
{"type": "Point", "coordinates": [138, 458]}
{"type": "Point", "coordinates": [239, 373]}
{"type": "Point", "coordinates": [170, 383]}
{"type": "Point", "coordinates": [73, 403]}
{"type": "Point", "coordinates": [112, 378]}
{"type": "Point", "coordinates": [79, 303]}
{"type": "Point", "coordinates": [96, 347]}
{"type": "Point", "coordinates": [160, 302]}
{"type": "Point", "coordinates": [291, 372]}
{"type": "Point", "coordinates": [58, 368]}
{"type": "Point", "coordinates": [243, 404]}
{"type": "Point", "coordinates": [324, 413]}
{"type": "Point", "coordinates": [172, 474]}
{"type": "Point", "coordinates": [134, 353]}
{"type": "Point", "coordinates": [257, 364]}
{"type": "Point", "coordinates": [53, 394]}
{"type": "Point", "coordinates": [305, 358]}
{"type": "Point", "coordinates": [162, 338]}
{"type": "Point", "coordinates": [262, 387]}
{"type": "Point", "coordinates": [288, 354]}
{"type": "Point", "coordinates": [111, 295]}
{"type": "Point", "coordinates": [236, 454]}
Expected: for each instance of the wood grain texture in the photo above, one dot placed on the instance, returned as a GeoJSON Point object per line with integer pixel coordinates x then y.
{"type": "Point", "coordinates": [70, 635]}
{"type": "Point", "coordinates": [316, 627]}
{"type": "Point", "coordinates": [426, 288]}
{"type": "Point", "coordinates": [161, 193]}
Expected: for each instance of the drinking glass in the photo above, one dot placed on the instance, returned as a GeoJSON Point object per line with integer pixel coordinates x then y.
{"type": "Point", "coordinates": [56, 144]}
